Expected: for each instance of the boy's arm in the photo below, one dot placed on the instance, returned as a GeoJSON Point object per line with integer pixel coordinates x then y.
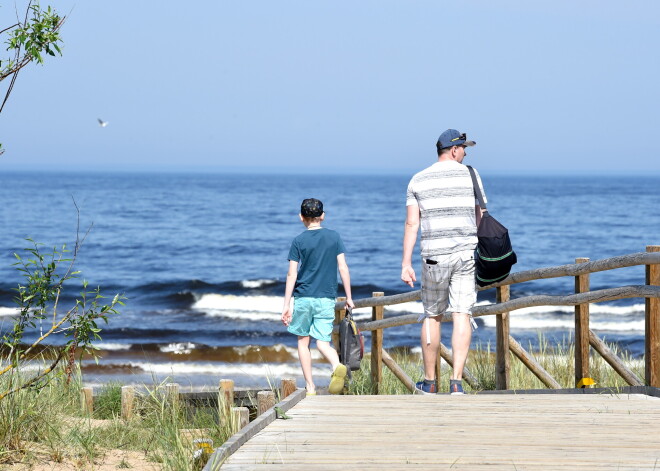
{"type": "Point", "coordinates": [291, 277]}
{"type": "Point", "coordinates": [345, 279]}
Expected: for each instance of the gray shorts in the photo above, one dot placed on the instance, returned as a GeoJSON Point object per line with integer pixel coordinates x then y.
{"type": "Point", "coordinates": [449, 285]}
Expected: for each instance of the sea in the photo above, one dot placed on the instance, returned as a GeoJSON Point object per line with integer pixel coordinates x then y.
{"type": "Point", "coordinates": [202, 258]}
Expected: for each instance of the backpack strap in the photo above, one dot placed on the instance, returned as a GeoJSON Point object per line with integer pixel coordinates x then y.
{"type": "Point", "coordinates": [477, 189]}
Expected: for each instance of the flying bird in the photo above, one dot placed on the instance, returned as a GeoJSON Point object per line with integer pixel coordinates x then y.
{"type": "Point", "coordinates": [102, 123]}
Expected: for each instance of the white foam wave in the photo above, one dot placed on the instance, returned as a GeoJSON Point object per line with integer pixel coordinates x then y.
{"type": "Point", "coordinates": [230, 302]}
{"type": "Point", "coordinates": [256, 283]}
{"type": "Point", "coordinates": [268, 308]}
{"type": "Point", "coordinates": [9, 311]}
{"type": "Point", "coordinates": [178, 348]}
{"type": "Point", "coordinates": [113, 346]}
{"type": "Point", "coordinates": [518, 322]}
{"type": "Point", "coordinates": [263, 370]}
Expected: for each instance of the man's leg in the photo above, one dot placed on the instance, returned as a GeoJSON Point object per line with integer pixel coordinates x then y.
{"type": "Point", "coordinates": [460, 342]}
{"type": "Point", "coordinates": [305, 356]}
{"type": "Point", "coordinates": [430, 350]}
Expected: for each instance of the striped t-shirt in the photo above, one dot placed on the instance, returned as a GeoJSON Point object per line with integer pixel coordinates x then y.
{"type": "Point", "coordinates": [445, 196]}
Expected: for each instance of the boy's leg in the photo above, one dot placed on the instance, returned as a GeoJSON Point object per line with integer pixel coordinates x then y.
{"type": "Point", "coordinates": [321, 330]}
{"type": "Point", "coordinates": [305, 356]}
{"type": "Point", "coordinates": [328, 352]}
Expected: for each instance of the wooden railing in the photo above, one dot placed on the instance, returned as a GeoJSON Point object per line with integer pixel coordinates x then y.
{"type": "Point", "coordinates": [581, 299]}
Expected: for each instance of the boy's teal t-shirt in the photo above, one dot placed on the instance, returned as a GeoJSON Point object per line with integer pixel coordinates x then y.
{"type": "Point", "coordinates": [316, 253]}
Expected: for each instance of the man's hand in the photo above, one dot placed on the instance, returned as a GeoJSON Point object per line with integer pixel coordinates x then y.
{"type": "Point", "coordinates": [350, 303]}
{"type": "Point", "coordinates": [286, 316]}
{"type": "Point", "coordinates": [408, 275]}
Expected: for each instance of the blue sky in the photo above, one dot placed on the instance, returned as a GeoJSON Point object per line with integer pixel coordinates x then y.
{"type": "Point", "coordinates": [565, 87]}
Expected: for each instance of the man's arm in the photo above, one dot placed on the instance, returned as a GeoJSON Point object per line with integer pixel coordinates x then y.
{"type": "Point", "coordinates": [345, 279]}
{"type": "Point", "coordinates": [478, 212]}
{"type": "Point", "coordinates": [291, 277]}
{"type": "Point", "coordinates": [409, 238]}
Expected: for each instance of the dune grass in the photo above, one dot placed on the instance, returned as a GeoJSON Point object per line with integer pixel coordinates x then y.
{"type": "Point", "coordinates": [47, 424]}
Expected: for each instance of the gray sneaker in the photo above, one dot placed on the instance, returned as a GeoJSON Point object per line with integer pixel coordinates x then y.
{"type": "Point", "coordinates": [456, 387]}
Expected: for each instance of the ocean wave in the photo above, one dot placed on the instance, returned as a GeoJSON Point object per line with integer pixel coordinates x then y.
{"type": "Point", "coordinates": [9, 311]}
{"type": "Point", "coordinates": [263, 370]}
{"type": "Point", "coordinates": [528, 322]}
{"type": "Point", "coordinates": [109, 346]}
{"type": "Point", "coordinates": [251, 284]}
{"type": "Point", "coordinates": [258, 308]}
{"type": "Point", "coordinates": [188, 351]}
{"type": "Point", "coordinates": [178, 348]}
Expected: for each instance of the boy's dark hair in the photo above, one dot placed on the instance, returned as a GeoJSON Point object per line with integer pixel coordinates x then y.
{"type": "Point", "coordinates": [311, 208]}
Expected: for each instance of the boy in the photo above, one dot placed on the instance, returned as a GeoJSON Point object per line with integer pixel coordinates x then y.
{"type": "Point", "coordinates": [314, 258]}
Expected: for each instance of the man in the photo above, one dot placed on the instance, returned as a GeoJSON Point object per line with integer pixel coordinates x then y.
{"type": "Point", "coordinates": [441, 198]}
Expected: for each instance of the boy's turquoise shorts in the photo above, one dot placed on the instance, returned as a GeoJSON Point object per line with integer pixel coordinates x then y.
{"type": "Point", "coordinates": [313, 317]}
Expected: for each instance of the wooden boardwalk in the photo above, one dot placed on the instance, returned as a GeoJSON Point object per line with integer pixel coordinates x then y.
{"type": "Point", "coordinates": [475, 432]}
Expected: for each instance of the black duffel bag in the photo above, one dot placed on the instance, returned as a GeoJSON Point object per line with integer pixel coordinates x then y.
{"type": "Point", "coordinates": [494, 256]}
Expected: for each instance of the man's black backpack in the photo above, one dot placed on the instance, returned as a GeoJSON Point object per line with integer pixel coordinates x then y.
{"type": "Point", "coordinates": [494, 256]}
{"type": "Point", "coordinates": [351, 343]}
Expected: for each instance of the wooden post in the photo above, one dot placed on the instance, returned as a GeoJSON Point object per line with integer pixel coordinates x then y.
{"type": "Point", "coordinates": [172, 394]}
{"type": "Point", "coordinates": [240, 417]}
{"type": "Point", "coordinates": [503, 359]}
{"type": "Point", "coordinates": [376, 347]}
{"type": "Point", "coordinates": [127, 401]}
{"type": "Point", "coordinates": [265, 400]}
{"type": "Point", "coordinates": [288, 387]}
{"type": "Point", "coordinates": [652, 325]}
{"type": "Point", "coordinates": [87, 400]}
{"type": "Point", "coordinates": [581, 330]}
{"type": "Point", "coordinates": [339, 316]}
{"type": "Point", "coordinates": [225, 397]}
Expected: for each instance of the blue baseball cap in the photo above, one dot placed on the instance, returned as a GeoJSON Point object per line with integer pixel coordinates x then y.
{"type": "Point", "coordinates": [451, 137]}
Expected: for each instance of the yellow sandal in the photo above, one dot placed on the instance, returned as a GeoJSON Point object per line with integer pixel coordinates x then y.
{"type": "Point", "coordinates": [337, 380]}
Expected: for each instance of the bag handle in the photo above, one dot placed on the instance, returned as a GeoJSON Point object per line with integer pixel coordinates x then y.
{"type": "Point", "coordinates": [477, 189]}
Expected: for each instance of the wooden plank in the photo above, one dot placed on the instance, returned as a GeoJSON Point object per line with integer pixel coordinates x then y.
{"type": "Point", "coordinates": [235, 441]}
{"type": "Point", "coordinates": [652, 323]}
{"type": "Point", "coordinates": [376, 347]}
{"type": "Point", "coordinates": [581, 329]}
{"type": "Point", "coordinates": [567, 431]}
{"type": "Point", "coordinates": [503, 358]}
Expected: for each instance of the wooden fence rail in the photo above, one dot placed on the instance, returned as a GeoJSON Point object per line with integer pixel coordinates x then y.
{"type": "Point", "coordinates": [581, 299]}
